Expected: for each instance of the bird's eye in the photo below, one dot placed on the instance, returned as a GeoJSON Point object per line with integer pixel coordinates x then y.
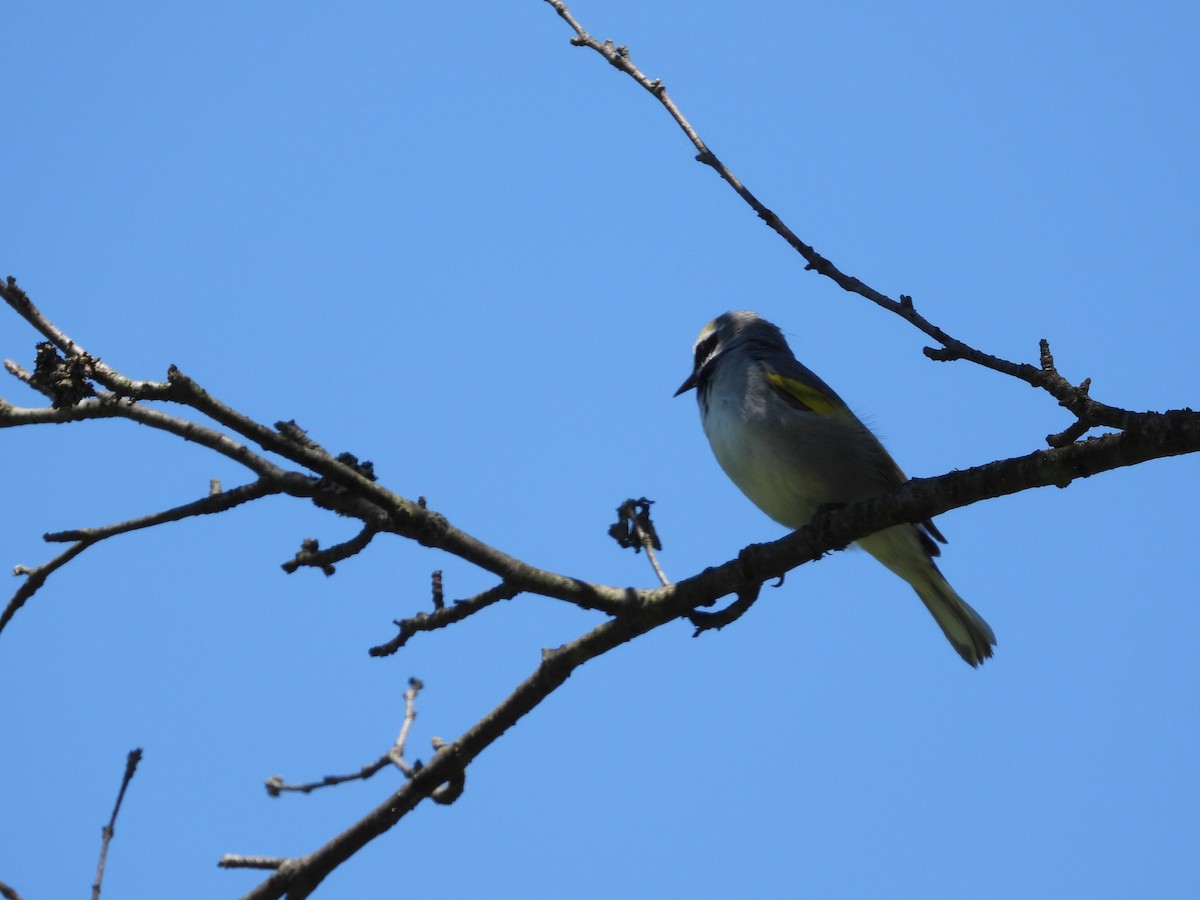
{"type": "Point", "coordinates": [705, 348]}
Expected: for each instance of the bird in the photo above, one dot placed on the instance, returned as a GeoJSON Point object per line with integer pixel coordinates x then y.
{"type": "Point", "coordinates": [793, 447]}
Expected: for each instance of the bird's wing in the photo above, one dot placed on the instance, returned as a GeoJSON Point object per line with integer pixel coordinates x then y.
{"type": "Point", "coordinates": [803, 390]}
{"type": "Point", "coordinates": [809, 394]}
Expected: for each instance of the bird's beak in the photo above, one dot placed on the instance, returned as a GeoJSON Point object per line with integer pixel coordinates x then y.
{"type": "Point", "coordinates": [687, 385]}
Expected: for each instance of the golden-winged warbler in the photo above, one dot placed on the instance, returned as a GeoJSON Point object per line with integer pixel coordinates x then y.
{"type": "Point", "coordinates": [793, 446]}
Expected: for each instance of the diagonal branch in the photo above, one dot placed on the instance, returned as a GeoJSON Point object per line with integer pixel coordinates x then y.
{"type": "Point", "coordinates": [1088, 412]}
{"type": "Point", "coordinates": [131, 764]}
{"type": "Point", "coordinates": [82, 538]}
{"type": "Point", "coordinates": [394, 756]}
{"type": "Point", "coordinates": [213, 503]}
{"type": "Point", "coordinates": [108, 406]}
{"type": "Point", "coordinates": [109, 377]}
{"type": "Point", "coordinates": [297, 878]}
{"type": "Point", "coordinates": [915, 501]}
{"type": "Point", "coordinates": [445, 615]}
{"type": "Point", "coordinates": [36, 577]}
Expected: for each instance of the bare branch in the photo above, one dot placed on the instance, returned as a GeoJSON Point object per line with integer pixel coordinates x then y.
{"type": "Point", "coordinates": [415, 685]}
{"type": "Point", "coordinates": [36, 577]}
{"type": "Point", "coordinates": [108, 406]}
{"type": "Point", "coordinates": [915, 501]}
{"type": "Point", "coordinates": [445, 615]}
{"type": "Point", "coordinates": [620, 59]}
{"type": "Point", "coordinates": [234, 861]}
{"type": "Point", "coordinates": [311, 555]}
{"type": "Point", "coordinates": [86, 537]}
{"type": "Point", "coordinates": [131, 764]}
{"type": "Point", "coordinates": [1089, 413]}
{"type": "Point", "coordinates": [207, 505]}
{"type": "Point", "coordinates": [394, 756]}
{"type": "Point", "coordinates": [451, 759]}
{"type": "Point", "coordinates": [110, 378]}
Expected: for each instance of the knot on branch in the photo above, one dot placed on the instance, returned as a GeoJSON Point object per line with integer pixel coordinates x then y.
{"type": "Point", "coordinates": [817, 263]}
{"type": "Point", "coordinates": [442, 614]}
{"type": "Point", "coordinates": [64, 381]}
{"type": "Point", "coordinates": [16, 295]}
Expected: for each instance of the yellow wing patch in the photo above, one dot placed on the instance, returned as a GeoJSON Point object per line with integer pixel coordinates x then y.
{"type": "Point", "coordinates": [806, 396]}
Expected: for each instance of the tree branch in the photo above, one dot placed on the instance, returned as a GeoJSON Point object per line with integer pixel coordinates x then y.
{"type": "Point", "coordinates": [131, 764]}
{"type": "Point", "coordinates": [445, 615]}
{"type": "Point", "coordinates": [86, 537]}
{"type": "Point", "coordinates": [915, 501]}
{"type": "Point", "coordinates": [82, 387]}
{"type": "Point", "coordinates": [1089, 413]}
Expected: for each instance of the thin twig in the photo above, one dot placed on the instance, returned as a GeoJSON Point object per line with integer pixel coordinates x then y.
{"type": "Point", "coordinates": [445, 615]}
{"type": "Point", "coordinates": [234, 861]}
{"type": "Point", "coordinates": [83, 538]}
{"type": "Point", "coordinates": [206, 505]}
{"type": "Point", "coordinates": [131, 764]}
{"type": "Point", "coordinates": [108, 406]}
{"type": "Point", "coordinates": [276, 784]}
{"type": "Point", "coordinates": [396, 754]}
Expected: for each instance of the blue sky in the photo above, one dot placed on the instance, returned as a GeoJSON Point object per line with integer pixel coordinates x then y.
{"type": "Point", "coordinates": [442, 238]}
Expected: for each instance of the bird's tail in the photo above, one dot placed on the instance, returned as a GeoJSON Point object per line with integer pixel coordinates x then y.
{"type": "Point", "coordinates": [901, 549]}
{"type": "Point", "coordinates": [964, 628]}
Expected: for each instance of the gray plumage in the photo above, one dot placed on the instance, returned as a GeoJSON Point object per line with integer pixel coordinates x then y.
{"type": "Point", "coordinates": [790, 443]}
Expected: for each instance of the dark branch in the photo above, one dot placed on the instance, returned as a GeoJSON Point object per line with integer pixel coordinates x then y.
{"type": "Point", "coordinates": [444, 615]}
{"type": "Point", "coordinates": [705, 621]}
{"type": "Point", "coordinates": [131, 764]}
{"type": "Point", "coordinates": [83, 538]}
{"type": "Point", "coordinates": [1089, 413]}
{"type": "Point", "coordinates": [310, 554]}
{"type": "Point", "coordinates": [394, 756]}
